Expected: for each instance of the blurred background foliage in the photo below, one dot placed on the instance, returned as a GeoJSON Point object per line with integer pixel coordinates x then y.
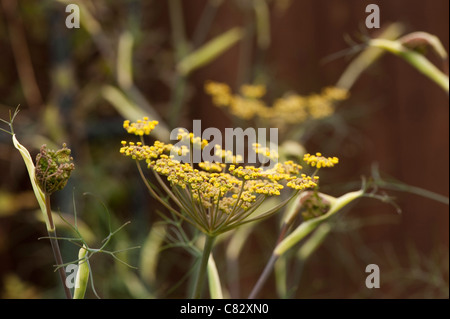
{"type": "Point", "coordinates": [132, 58]}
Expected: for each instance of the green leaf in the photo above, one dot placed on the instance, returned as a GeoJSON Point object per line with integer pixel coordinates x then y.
{"type": "Point", "coordinates": [150, 253]}
{"type": "Point", "coordinates": [31, 172]}
{"type": "Point", "coordinates": [209, 51]}
{"type": "Point", "coordinates": [125, 60]}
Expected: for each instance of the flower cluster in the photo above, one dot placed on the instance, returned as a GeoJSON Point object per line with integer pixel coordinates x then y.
{"type": "Point", "coordinates": [214, 196]}
{"type": "Point", "coordinates": [139, 151]}
{"type": "Point", "coordinates": [140, 127]}
{"type": "Point", "coordinates": [290, 109]}
{"type": "Point", "coordinates": [320, 161]}
{"type": "Point", "coordinates": [303, 182]}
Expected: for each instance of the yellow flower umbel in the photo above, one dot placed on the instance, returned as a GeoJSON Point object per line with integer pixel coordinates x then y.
{"type": "Point", "coordinates": [290, 109]}
{"type": "Point", "coordinates": [217, 197]}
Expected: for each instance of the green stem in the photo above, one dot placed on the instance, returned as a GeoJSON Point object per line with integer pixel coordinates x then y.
{"type": "Point", "coordinates": [209, 242]}
{"type": "Point", "coordinates": [181, 49]}
{"type": "Point", "coordinates": [270, 264]}
{"type": "Point", "coordinates": [205, 22]}
{"type": "Point", "coordinates": [55, 248]}
{"type": "Point", "coordinates": [264, 276]}
{"type": "Point", "coordinates": [179, 41]}
{"type": "Point", "coordinates": [366, 58]}
{"type": "Point", "coordinates": [421, 63]}
{"type": "Point", "coordinates": [178, 96]}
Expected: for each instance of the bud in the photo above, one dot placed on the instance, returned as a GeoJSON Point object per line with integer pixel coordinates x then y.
{"type": "Point", "coordinates": [305, 228]}
{"type": "Point", "coordinates": [315, 206]}
{"type": "Point", "coordinates": [53, 169]}
{"type": "Point", "coordinates": [82, 278]}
